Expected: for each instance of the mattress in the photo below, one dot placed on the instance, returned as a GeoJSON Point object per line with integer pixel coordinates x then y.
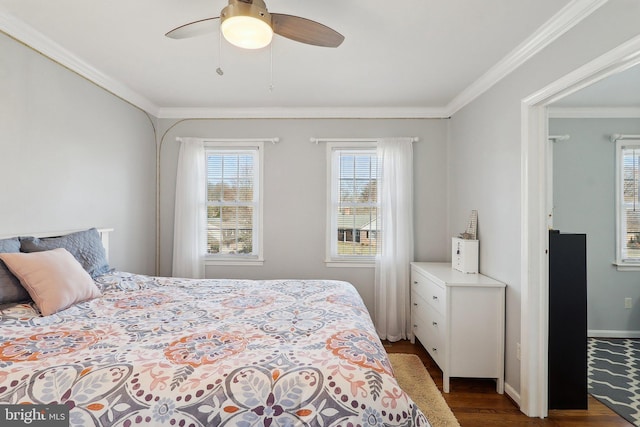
{"type": "Point", "coordinates": [186, 352]}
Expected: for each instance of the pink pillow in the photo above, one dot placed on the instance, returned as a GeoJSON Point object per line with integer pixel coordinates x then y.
{"type": "Point", "coordinates": [54, 279]}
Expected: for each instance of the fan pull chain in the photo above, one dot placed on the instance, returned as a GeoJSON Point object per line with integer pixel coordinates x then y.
{"type": "Point", "coordinates": [271, 86]}
{"type": "Point", "coordinates": [219, 69]}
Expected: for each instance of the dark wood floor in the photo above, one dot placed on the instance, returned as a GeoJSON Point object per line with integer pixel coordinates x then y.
{"type": "Point", "coordinates": [475, 402]}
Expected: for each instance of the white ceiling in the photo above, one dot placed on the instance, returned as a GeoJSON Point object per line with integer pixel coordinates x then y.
{"type": "Point", "coordinates": [419, 57]}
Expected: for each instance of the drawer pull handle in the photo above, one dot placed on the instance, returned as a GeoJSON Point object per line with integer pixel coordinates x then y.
{"type": "Point", "coordinates": [415, 282]}
{"type": "Point", "coordinates": [435, 298]}
{"type": "Point", "coordinates": [434, 323]}
{"type": "Point", "coordinates": [415, 303]}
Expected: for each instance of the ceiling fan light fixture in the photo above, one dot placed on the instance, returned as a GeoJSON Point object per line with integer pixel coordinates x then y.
{"type": "Point", "coordinates": [246, 25]}
{"type": "Point", "coordinates": [249, 25]}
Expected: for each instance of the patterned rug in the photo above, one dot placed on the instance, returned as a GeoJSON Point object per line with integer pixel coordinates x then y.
{"type": "Point", "coordinates": [614, 375]}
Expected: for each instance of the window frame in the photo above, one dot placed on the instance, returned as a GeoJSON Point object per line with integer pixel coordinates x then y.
{"type": "Point", "coordinates": [623, 264]}
{"type": "Point", "coordinates": [332, 259]}
{"type": "Point", "coordinates": [257, 146]}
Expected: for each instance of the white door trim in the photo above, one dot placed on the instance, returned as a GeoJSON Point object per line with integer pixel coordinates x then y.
{"type": "Point", "coordinates": [534, 262]}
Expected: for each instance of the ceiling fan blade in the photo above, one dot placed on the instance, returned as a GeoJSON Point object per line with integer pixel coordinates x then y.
{"type": "Point", "coordinates": [193, 29]}
{"type": "Point", "coordinates": [305, 30]}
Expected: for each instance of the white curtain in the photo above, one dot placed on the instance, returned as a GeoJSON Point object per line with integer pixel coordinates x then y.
{"type": "Point", "coordinates": [395, 248]}
{"type": "Point", "coordinates": [190, 213]}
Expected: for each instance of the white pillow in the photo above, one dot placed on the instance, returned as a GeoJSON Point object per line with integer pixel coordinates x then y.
{"type": "Point", "coordinates": [54, 279]}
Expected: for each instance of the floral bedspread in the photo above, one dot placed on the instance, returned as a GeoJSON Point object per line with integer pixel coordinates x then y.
{"type": "Point", "coordinates": [179, 352]}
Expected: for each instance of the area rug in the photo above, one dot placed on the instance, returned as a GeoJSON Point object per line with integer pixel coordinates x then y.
{"type": "Point", "coordinates": [414, 379]}
{"type": "Point", "coordinates": [614, 375]}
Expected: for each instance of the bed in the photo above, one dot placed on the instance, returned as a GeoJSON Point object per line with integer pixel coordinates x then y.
{"type": "Point", "coordinates": [184, 352]}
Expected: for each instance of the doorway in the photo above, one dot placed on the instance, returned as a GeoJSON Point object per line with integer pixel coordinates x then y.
{"type": "Point", "coordinates": [537, 216]}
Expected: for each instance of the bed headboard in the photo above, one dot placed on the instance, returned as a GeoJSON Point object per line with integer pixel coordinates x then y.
{"type": "Point", "coordinates": [104, 236]}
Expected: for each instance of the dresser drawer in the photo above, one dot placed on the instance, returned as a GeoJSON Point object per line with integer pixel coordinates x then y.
{"type": "Point", "coordinates": [437, 330]}
{"type": "Point", "coordinates": [437, 323]}
{"type": "Point", "coordinates": [418, 303]}
{"type": "Point", "coordinates": [422, 330]}
{"type": "Point", "coordinates": [433, 293]}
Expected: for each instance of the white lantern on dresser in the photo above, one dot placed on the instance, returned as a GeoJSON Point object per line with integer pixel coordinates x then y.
{"type": "Point", "coordinates": [464, 255]}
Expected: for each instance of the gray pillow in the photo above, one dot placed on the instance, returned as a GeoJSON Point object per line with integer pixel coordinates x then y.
{"type": "Point", "coordinates": [10, 288]}
{"type": "Point", "coordinates": [85, 246]}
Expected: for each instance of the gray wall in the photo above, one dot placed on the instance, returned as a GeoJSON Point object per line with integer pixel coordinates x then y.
{"type": "Point", "coordinates": [485, 153]}
{"type": "Point", "coordinates": [295, 192]}
{"type": "Point", "coordinates": [74, 156]}
{"type": "Point", "coordinates": [584, 202]}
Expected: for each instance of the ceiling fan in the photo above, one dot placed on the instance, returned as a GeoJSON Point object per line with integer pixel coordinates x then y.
{"type": "Point", "coordinates": [248, 24]}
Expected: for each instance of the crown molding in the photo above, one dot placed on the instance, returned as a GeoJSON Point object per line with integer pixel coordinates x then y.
{"type": "Point", "coordinates": [620, 58]}
{"type": "Point", "coordinates": [303, 113]}
{"type": "Point", "coordinates": [25, 34]}
{"type": "Point", "coordinates": [594, 112]}
{"type": "Point", "coordinates": [560, 23]}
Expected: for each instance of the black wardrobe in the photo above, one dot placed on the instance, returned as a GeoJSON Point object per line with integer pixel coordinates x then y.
{"type": "Point", "coordinates": [567, 320]}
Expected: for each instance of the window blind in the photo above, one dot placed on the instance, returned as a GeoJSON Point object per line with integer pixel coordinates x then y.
{"type": "Point", "coordinates": [231, 201]}
{"type": "Point", "coordinates": [356, 206]}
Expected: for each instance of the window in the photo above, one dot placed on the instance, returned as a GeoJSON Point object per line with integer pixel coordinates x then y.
{"type": "Point", "coordinates": [234, 207]}
{"type": "Point", "coordinates": [628, 203]}
{"type": "Point", "coordinates": [353, 203]}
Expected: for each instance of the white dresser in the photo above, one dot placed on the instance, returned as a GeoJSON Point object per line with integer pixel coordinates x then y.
{"type": "Point", "coordinates": [459, 318]}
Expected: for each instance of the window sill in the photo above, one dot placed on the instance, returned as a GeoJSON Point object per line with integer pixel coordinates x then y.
{"type": "Point", "coordinates": [234, 262]}
{"type": "Point", "coordinates": [627, 266]}
{"type": "Point", "coordinates": [349, 264]}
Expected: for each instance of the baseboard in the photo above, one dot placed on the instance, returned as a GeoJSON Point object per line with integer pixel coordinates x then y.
{"type": "Point", "coordinates": [595, 333]}
{"type": "Point", "coordinates": [512, 393]}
